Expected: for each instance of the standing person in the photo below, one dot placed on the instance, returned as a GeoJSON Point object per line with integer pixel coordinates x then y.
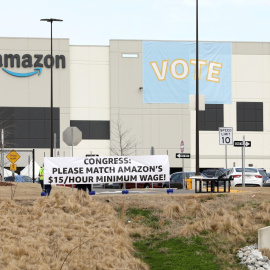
{"type": "Point", "coordinates": [89, 186]}
{"type": "Point", "coordinates": [41, 177]}
{"type": "Point", "coordinates": [82, 187]}
{"type": "Point", "coordinates": [46, 188]}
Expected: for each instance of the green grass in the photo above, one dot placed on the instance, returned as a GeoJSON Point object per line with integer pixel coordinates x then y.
{"type": "Point", "coordinates": [222, 195]}
{"type": "Point", "coordinates": [148, 218]}
{"type": "Point", "coordinates": [161, 251]}
{"type": "Point", "coordinates": [175, 253]}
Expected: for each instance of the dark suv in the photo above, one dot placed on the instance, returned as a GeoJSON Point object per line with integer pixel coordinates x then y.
{"type": "Point", "coordinates": [176, 179]}
{"type": "Point", "coordinates": [214, 173]}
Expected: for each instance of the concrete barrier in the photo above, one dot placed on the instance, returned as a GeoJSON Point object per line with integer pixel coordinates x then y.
{"type": "Point", "coordinates": [264, 238]}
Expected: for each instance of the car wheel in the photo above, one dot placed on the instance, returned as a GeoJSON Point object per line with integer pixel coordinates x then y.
{"type": "Point", "coordinates": [146, 186]}
{"type": "Point", "coordinates": [164, 186]}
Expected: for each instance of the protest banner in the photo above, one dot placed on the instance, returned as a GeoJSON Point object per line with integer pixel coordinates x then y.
{"type": "Point", "coordinates": [107, 169]}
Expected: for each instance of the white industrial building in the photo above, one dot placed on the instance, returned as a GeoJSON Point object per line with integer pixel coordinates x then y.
{"type": "Point", "coordinates": [97, 86]}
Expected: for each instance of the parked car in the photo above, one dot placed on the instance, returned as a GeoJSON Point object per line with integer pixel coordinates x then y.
{"type": "Point", "coordinates": [252, 177]}
{"type": "Point", "coordinates": [266, 184]}
{"type": "Point", "coordinates": [110, 185]}
{"type": "Point", "coordinates": [98, 185]}
{"type": "Point", "coordinates": [176, 179]}
{"type": "Point", "coordinates": [25, 179]}
{"type": "Point", "coordinates": [214, 173]}
{"type": "Point", "coordinates": [9, 179]}
{"type": "Point", "coordinates": [264, 175]}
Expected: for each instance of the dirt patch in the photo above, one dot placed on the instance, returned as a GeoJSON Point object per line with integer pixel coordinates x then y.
{"type": "Point", "coordinates": [4, 184]}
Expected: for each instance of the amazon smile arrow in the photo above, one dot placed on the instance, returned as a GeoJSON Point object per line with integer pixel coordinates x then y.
{"type": "Point", "coordinates": [37, 70]}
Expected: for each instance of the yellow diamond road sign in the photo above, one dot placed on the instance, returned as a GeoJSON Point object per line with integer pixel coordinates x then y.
{"type": "Point", "coordinates": [13, 156]}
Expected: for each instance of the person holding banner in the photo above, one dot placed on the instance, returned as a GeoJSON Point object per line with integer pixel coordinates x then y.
{"type": "Point", "coordinates": [82, 187]}
{"type": "Point", "coordinates": [45, 188]}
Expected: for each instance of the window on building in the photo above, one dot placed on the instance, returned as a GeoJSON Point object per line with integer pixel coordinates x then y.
{"type": "Point", "coordinates": [212, 118]}
{"type": "Point", "coordinates": [130, 55]}
{"type": "Point", "coordinates": [92, 129]}
{"type": "Point", "coordinates": [249, 116]}
{"type": "Point", "coordinates": [29, 127]}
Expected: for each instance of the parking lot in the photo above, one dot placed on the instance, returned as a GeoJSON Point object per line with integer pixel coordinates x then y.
{"type": "Point", "coordinates": [29, 191]}
{"type": "Point", "coordinates": [100, 191]}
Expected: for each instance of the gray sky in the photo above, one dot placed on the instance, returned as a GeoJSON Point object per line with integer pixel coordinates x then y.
{"type": "Point", "coordinates": [95, 22]}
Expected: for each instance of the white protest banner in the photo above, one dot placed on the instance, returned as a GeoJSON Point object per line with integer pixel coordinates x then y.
{"type": "Point", "coordinates": [116, 169]}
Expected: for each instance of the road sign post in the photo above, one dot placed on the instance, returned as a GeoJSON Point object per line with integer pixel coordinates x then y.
{"type": "Point", "coordinates": [225, 135]}
{"type": "Point", "coordinates": [183, 163]}
{"type": "Point", "coordinates": [243, 144]}
{"type": "Point", "coordinates": [226, 138]}
{"type": "Point", "coordinates": [182, 147]}
{"type": "Point", "coordinates": [72, 136]}
{"type": "Point", "coordinates": [13, 156]}
{"type": "Point", "coordinates": [182, 155]}
{"type": "Point", "coordinates": [243, 162]}
{"type": "Point", "coordinates": [13, 167]}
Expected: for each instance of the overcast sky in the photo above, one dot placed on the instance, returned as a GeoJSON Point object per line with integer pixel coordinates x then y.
{"type": "Point", "coordinates": [95, 22]}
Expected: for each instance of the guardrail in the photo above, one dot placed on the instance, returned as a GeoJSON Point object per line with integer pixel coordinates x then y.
{"type": "Point", "coordinates": [210, 185]}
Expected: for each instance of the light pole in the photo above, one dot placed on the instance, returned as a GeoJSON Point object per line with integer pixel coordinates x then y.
{"type": "Point", "coordinates": [52, 62]}
{"type": "Point", "coordinates": [197, 95]}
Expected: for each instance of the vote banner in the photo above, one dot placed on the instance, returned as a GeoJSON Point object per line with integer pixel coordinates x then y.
{"type": "Point", "coordinates": [169, 71]}
{"type": "Point", "coordinates": [110, 169]}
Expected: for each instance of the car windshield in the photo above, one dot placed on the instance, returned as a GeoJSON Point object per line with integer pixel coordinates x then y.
{"type": "Point", "coordinates": [253, 170]}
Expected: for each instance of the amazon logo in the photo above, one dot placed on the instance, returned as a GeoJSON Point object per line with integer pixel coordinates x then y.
{"type": "Point", "coordinates": [37, 62]}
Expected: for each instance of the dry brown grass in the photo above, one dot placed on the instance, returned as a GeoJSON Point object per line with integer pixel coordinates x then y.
{"type": "Point", "coordinates": [40, 236]}
{"type": "Point", "coordinates": [228, 221]}
{"type": "Point", "coordinates": [40, 232]}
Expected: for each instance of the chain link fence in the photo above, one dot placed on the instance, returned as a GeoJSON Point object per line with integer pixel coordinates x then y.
{"type": "Point", "coordinates": [24, 161]}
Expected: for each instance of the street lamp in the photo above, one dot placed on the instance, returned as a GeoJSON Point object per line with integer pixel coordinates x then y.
{"type": "Point", "coordinates": [197, 95]}
{"type": "Point", "coordinates": [51, 21]}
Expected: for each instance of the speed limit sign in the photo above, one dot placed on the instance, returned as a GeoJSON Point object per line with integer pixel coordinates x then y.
{"type": "Point", "coordinates": [225, 135]}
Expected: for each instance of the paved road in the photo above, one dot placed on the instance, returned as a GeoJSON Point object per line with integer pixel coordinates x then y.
{"type": "Point", "coordinates": [100, 191]}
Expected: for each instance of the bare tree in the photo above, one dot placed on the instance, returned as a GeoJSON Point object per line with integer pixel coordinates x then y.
{"type": "Point", "coordinates": [123, 142]}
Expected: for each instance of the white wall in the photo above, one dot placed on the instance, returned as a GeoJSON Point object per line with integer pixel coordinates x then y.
{"type": "Point", "coordinates": [90, 92]}
{"type": "Point", "coordinates": [165, 125]}
{"type": "Point", "coordinates": [250, 83]}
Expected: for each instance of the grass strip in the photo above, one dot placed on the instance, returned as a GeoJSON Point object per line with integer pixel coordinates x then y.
{"type": "Point", "coordinates": [175, 253]}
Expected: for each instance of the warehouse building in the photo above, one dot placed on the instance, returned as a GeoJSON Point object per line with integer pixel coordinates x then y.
{"type": "Point", "coordinates": [103, 90]}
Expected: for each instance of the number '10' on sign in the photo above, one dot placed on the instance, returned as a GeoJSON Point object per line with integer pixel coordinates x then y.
{"type": "Point", "coordinates": [225, 135]}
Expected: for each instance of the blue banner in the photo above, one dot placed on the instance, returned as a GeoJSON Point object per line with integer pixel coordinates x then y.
{"type": "Point", "coordinates": [169, 71]}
